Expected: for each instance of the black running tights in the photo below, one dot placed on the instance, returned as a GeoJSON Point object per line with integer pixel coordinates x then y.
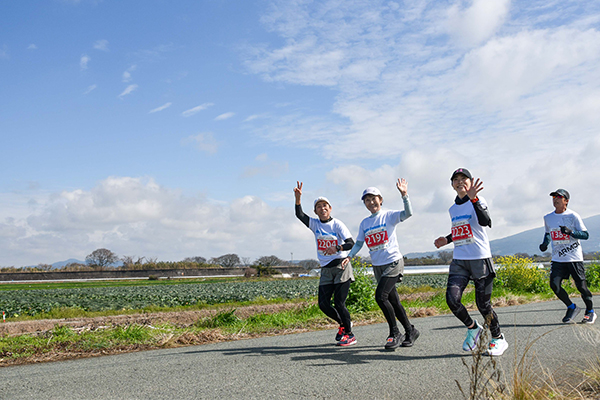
{"type": "Point", "coordinates": [483, 299]}
{"type": "Point", "coordinates": [388, 300]}
{"type": "Point", "coordinates": [339, 312]}
{"type": "Point", "coordinates": [586, 294]}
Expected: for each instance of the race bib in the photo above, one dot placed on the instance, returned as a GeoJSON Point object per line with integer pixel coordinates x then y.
{"type": "Point", "coordinates": [558, 237]}
{"type": "Point", "coordinates": [377, 239]}
{"type": "Point", "coordinates": [462, 233]}
{"type": "Point", "coordinates": [325, 242]}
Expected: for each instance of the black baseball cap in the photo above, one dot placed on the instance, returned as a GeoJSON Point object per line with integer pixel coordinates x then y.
{"type": "Point", "coordinates": [562, 193]}
{"type": "Point", "coordinates": [463, 171]}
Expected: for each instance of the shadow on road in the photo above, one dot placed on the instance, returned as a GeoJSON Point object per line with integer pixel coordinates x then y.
{"type": "Point", "coordinates": [334, 354]}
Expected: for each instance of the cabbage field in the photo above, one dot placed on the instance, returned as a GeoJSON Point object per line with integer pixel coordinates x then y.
{"type": "Point", "coordinates": [32, 302]}
{"type": "Point", "coordinates": [36, 301]}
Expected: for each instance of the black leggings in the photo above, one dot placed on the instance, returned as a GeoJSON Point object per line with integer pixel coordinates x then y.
{"type": "Point", "coordinates": [586, 295]}
{"type": "Point", "coordinates": [388, 300]}
{"type": "Point", "coordinates": [483, 299]}
{"type": "Point", "coordinates": [339, 312]}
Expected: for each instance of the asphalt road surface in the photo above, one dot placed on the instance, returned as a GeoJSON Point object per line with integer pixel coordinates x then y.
{"type": "Point", "coordinates": [309, 365]}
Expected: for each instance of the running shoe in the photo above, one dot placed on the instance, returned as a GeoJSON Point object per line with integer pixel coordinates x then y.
{"type": "Point", "coordinates": [472, 338]}
{"type": "Point", "coordinates": [571, 314]}
{"type": "Point", "coordinates": [497, 346]}
{"type": "Point", "coordinates": [340, 334]}
{"type": "Point", "coordinates": [589, 318]}
{"type": "Point", "coordinates": [393, 342]}
{"type": "Point", "coordinates": [347, 340]}
{"type": "Point", "coordinates": [409, 339]}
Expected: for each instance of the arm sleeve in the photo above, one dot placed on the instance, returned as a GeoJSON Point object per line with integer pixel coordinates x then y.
{"type": "Point", "coordinates": [356, 248]}
{"type": "Point", "coordinates": [449, 238]}
{"type": "Point", "coordinates": [546, 240]}
{"type": "Point", "coordinates": [407, 213]}
{"type": "Point", "coordinates": [348, 244]}
{"type": "Point", "coordinates": [301, 216]}
{"type": "Point", "coordinates": [483, 215]}
{"type": "Point", "coordinates": [583, 235]}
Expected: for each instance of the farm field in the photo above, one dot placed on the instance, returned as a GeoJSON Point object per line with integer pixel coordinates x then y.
{"type": "Point", "coordinates": [36, 299]}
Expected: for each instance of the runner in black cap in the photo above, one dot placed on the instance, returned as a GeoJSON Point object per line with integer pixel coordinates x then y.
{"type": "Point", "coordinates": [472, 260]}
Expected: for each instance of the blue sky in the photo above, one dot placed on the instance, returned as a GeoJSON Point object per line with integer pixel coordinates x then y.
{"type": "Point", "coordinates": [175, 129]}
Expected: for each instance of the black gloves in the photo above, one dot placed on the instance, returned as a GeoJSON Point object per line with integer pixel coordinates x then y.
{"type": "Point", "coordinates": [543, 247]}
{"type": "Point", "coordinates": [565, 231]}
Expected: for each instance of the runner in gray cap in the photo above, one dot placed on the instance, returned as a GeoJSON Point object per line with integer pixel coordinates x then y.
{"type": "Point", "coordinates": [564, 229]}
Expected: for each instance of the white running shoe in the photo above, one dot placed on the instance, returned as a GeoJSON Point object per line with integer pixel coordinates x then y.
{"type": "Point", "coordinates": [497, 346]}
{"type": "Point", "coordinates": [589, 318]}
{"type": "Point", "coordinates": [472, 338]}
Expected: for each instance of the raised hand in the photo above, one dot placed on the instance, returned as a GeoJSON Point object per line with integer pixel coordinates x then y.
{"type": "Point", "coordinates": [298, 192]}
{"type": "Point", "coordinates": [475, 188]}
{"type": "Point", "coordinates": [402, 186]}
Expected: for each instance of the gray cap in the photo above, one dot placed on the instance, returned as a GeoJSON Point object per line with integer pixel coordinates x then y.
{"type": "Point", "coordinates": [562, 193]}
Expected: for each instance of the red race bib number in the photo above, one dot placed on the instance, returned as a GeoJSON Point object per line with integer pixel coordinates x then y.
{"type": "Point", "coordinates": [462, 233]}
{"type": "Point", "coordinates": [558, 237]}
{"type": "Point", "coordinates": [377, 239]}
{"type": "Point", "coordinates": [324, 243]}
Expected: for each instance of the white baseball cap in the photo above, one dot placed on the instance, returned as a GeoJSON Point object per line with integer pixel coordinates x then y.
{"type": "Point", "coordinates": [371, 190]}
{"type": "Point", "coordinates": [321, 199]}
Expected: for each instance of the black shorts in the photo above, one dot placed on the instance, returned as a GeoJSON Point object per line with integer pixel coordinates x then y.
{"type": "Point", "coordinates": [566, 269]}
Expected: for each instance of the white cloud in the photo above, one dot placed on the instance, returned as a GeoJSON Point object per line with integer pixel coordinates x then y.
{"type": "Point", "coordinates": [265, 167]}
{"type": "Point", "coordinates": [32, 47]}
{"type": "Point", "coordinates": [128, 90]}
{"type": "Point", "coordinates": [127, 73]}
{"type": "Point", "coordinates": [137, 216]}
{"type": "Point", "coordinates": [512, 89]}
{"type": "Point", "coordinates": [84, 60]}
{"type": "Point", "coordinates": [224, 116]}
{"type": "Point", "coordinates": [101, 45]}
{"type": "Point", "coordinates": [478, 22]}
{"type": "Point", "coordinates": [90, 88]}
{"type": "Point", "coordinates": [157, 109]}
{"type": "Point", "coordinates": [204, 142]}
{"type": "Point", "coordinates": [195, 110]}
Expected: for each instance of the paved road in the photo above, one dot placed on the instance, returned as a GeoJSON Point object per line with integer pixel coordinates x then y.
{"type": "Point", "coordinates": [307, 365]}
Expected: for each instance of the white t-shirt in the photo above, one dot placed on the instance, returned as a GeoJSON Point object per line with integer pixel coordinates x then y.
{"type": "Point", "coordinates": [378, 231]}
{"type": "Point", "coordinates": [564, 247]}
{"type": "Point", "coordinates": [470, 239]}
{"type": "Point", "coordinates": [327, 234]}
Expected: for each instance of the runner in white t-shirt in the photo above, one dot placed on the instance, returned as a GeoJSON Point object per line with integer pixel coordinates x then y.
{"type": "Point", "coordinates": [333, 240]}
{"type": "Point", "coordinates": [472, 260]}
{"type": "Point", "coordinates": [378, 231]}
{"type": "Point", "coordinates": [564, 229]}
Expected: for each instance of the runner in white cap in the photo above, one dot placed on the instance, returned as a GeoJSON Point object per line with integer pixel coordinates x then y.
{"type": "Point", "coordinates": [333, 240]}
{"type": "Point", "coordinates": [379, 232]}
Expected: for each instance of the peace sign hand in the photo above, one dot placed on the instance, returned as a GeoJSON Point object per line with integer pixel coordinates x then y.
{"type": "Point", "coordinates": [298, 192]}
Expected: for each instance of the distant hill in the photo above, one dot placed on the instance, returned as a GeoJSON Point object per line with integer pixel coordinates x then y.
{"type": "Point", "coordinates": [529, 241]}
{"type": "Point", "coordinates": [61, 264]}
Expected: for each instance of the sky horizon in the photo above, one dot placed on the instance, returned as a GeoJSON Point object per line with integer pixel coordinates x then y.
{"type": "Point", "coordinates": [178, 130]}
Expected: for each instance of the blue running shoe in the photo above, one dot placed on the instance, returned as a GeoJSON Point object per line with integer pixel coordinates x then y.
{"type": "Point", "coordinates": [472, 338]}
